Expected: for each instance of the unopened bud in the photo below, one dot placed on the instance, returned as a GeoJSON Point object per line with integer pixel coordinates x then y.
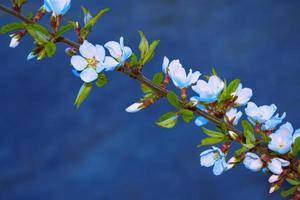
{"type": "Point", "coordinates": [273, 178]}
{"type": "Point", "coordinates": [232, 162]}
{"type": "Point", "coordinates": [273, 188]}
{"type": "Point", "coordinates": [233, 135]}
{"type": "Point", "coordinates": [15, 40]}
{"type": "Point", "coordinates": [70, 51]}
{"type": "Point", "coordinates": [135, 107]}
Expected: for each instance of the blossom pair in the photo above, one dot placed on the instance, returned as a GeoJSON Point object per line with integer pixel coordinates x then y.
{"type": "Point", "coordinates": [93, 59]}
{"type": "Point", "coordinates": [254, 163]}
{"type": "Point", "coordinates": [264, 115]}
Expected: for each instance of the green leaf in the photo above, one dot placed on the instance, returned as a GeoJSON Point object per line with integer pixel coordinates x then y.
{"type": "Point", "coordinates": [143, 46]}
{"type": "Point", "coordinates": [11, 27]}
{"type": "Point", "coordinates": [231, 88]}
{"type": "Point", "coordinates": [296, 146]}
{"type": "Point", "coordinates": [151, 52]}
{"type": "Point", "coordinates": [38, 32]}
{"type": "Point", "coordinates": [187, 115]}
{"type": "Point", "coordinates": [210, 141]}
{"type": "Point", "coordinates": [63, 30]}
{"type": "Point", "coordinates": [248, 132]}
{"type": "Point", "coordinates": [264, 137]}
{"type": "Point", "coordinates": [101, 80]}
{"type": "Point", "coordinates": [50, 48]}
{"type": "Point", "coordinates": [88, 27]}
{"type": "Point", "coordinates": [87, 15]}
{"type": "Point", "coordinates": [288, 192]}
{"type": "Point", "coordinates": [158, 78]}
{"type": "Point", "coordinates": [240, 151]}
{"type": "Point", "coordinates": [19, 3]}
{"type": "Point", "coordinates": [83, 94]}
{"type": "Point", "coordinates": [168, 120]}
{"type": "Point", "coordinates": [145, 88]}
{"type": "Point", "coordinates": [213, 134]}
{"type": "Point", "coordinates": [173, 99]}
{"type": "Point", "coordinates": [133, 60]}
{"type": "Point", "coordinates": [292, 181]}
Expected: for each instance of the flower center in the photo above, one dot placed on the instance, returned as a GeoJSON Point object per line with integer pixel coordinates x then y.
{"type": "Point", "coordinates": [92, 62]}
{"type": "Point", "coordinates": [216, 156]}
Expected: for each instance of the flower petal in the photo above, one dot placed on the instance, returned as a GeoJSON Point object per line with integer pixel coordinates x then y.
{"type": "Point", "coordinates": [87, 50]}
{"type": "Point", "coordinates": [88, 75]}
{"type": "Point", "coordinates": [200, 121]}
{"type": "Point", "coordinates": [114, 49]}
{"type": "Point", "coordinates": [110, 63]}
{"type": "Point", "coordinates": [79, 63]}
{"type": "Point", "coordinates": [100, 53]}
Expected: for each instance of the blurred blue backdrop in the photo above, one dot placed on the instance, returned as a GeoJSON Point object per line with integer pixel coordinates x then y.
{"type": "Point", "coordinates": [50, 150]}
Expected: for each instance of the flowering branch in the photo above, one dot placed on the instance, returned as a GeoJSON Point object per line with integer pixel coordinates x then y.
{"type": "Point", "coordinates": [263, 146]}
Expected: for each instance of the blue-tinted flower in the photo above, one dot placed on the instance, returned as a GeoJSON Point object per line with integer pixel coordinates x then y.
{"type": "Point", "coordinates": [209, 91]}
{"type": "Point", "coordinates": [119, 52]}
{"type": "Point", "coordinates": [282, 140]}
{"type": "Point", "coordinates": [243, 95]}
{"type": "Point", "coordinates": [199, 121]}
{"type": "Point", "coordinates": [214, 157]}
{"type": "Point", "coordinates": [233, 116]}
{"type": "Point", "coordinates": [253, 162]}
{"type": "Point", "coordinates": [276, 164]}
{"type": "Point", "coordinates": [264, 115]}
{"type": "Point", "coordinates": [178, 74]}
{"type": "Point", "coordinates": [91, 62]}
{"type": "Point", "coordinates": [58, 7]}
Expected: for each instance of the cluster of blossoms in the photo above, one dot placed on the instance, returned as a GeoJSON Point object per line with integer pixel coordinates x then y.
{"type": "Point", "coordinates": [212, 96]}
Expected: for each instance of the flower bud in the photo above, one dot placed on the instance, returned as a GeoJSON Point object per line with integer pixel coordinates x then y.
{"type": "Point", "coordinates": [232, 162]}
{"type": "Point", "coordinates": [233, 135]}
{"type": "Point", "coordinates": [15, 40]}
{"type": "Point", "coordinates": [273, 178]}
{"type": "Point", "coordinates": [135, 107]}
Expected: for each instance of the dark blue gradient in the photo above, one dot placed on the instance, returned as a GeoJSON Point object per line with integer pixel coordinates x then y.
{"type": "Point", "coordinates": [50, 150]}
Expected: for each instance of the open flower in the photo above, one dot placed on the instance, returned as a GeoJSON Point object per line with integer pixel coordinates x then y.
{"type": "Point", "coordinates": [178, 74]}
{"type": "Point", "coordinates": [253, 162]}
{"type": "Point", "coordinates": [214, 157]}
{"type": "Point", "coordinates": [264, 115]}
{"type": "Point", "coordinates": [209, 91]}
{"type": "Point", "coordinates": [91, 62]}
{"type": "Point", "coordinates": [276, 164]}
{"type": "Point", "coordinates": [119, 52]}
{"type": "Point", "coordinates": [233, 116]}
{"type": "Point", "coordinates": [282, 140]}
{"type": "Point", "coordinates": [243, 95]}
{"type": "Point", "coordinates": [58, 7]}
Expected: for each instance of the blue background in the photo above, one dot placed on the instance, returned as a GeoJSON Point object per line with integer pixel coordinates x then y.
{"type": "Point", "coordinates": [51, 150]}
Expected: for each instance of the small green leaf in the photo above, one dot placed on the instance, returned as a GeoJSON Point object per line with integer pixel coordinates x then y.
{"type": "Point", "coordinates": [187, 115]}
{"type": "Point", "coordinates": [292, 181]}
{"type": "Point", "coordinates": [173, 99]}
{"type": "Point", "coordinates": [83, 94]}
{"type": "Point", "coordinates": [38, 32]}
{"type": "Point", "coordinates": [296, 146]}
{"type": "Point", "coordinates": [50, 48]}
{"type": "Point", "coordinates": [168, 120]}
{"type": "Point", "coordinates": [87, 15]}
{"type": "Point", "coordinates": [213, 134]}
{"type": "Point", "coordinates": [151, 52]}
{"type": "Point", "coordinates": [145, 88]}
{"type": "Point", "coordinates": [231, 88]}
{"type": "Point", "coordinates": [133, 60]}
{"type": "Point", "coordinates": [143, 46]}
{"type": "Point", "coordinates": [240, 151]}
{"type": "Point", "coordinates": [88, 27]}
{"type": "Point", "coordinates": [11, 27]}
{"type": "Point", "coordinates": [19, 3]}
{"type": "Point", "coordinates": [248, 132]}
{"type": "Point", "coordinates": [101, 80]}
{"type": "Point", "coordinates": [63, 30]}
{"type": "Point", "coordinates": [288, 192]}
{"type": "Point", "coordinates": [158, 78]}
{"type": "Point", "coordinates": [210, 141]}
